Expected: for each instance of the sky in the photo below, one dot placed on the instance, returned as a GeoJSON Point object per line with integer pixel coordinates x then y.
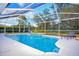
{"type": "Point", "coordinates": [9, 21]}
{"type": "Point", "coordinates": [41, 8]}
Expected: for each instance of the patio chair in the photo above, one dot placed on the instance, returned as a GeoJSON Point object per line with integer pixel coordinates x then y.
{"type": "Point", "coordinates": [70, 35]}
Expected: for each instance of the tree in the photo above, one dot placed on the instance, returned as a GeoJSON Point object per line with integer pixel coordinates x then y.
{"type": "Point", "coordinates": [70, 24]}
{"type": "Point", "coordinates": [22, 19]}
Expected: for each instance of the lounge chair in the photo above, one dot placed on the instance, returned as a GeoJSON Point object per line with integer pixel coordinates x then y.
{"type": "Point", "coordinates": [70, 35]}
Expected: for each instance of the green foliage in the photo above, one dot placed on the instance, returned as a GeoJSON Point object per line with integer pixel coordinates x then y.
{"type": "Point", "coordinates": [22, 17]}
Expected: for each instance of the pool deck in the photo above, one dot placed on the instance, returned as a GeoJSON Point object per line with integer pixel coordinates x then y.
{"type": "Point", "coordinates": [9, 47]}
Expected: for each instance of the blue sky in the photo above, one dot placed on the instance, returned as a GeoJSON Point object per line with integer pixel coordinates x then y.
{"type": "Point", "coordinates": [41, 8]}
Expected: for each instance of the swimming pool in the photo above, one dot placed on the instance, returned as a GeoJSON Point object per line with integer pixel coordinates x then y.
{"type": "Point", "coordinates": [40, 42]}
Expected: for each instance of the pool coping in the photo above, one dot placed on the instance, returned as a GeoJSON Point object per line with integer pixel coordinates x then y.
{"type": "Point", "coordinates": [35, 34]}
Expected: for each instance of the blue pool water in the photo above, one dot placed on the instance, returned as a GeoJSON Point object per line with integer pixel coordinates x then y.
{"type": "Point", "coordinates": [40, 42]}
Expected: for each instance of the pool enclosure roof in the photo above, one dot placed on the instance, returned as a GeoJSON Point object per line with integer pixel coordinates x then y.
{"type": "Point", "coordinates": [17, 8]}
{"type": "Point", "coordinates": [50, 10]}
{"type": "Point", "coordinates": [9, 10]}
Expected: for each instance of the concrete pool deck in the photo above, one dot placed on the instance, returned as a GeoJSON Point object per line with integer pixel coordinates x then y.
{"type": "Point", "coordinates": [9, 47]}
